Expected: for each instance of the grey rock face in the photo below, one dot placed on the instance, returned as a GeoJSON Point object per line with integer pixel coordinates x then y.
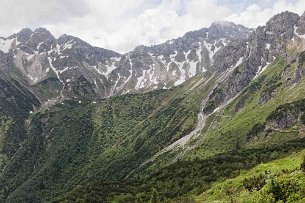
{"type": "Point", "coordinates": [255, 53]}
{"type": "Point", "coordinates": [24, 35]}
{"type": "Point", "coordinates": [32, 42]}
{"type": "Point", "coordinates": [301, 25]}
{"type": "Point", "coordinates": [282, 24]}
{"type": "Point", "coordinates": [70, 62]}
{"type": "Point", "coordinates": [284, 119]}
{"type": "Point", "coordinates": [227, 30]}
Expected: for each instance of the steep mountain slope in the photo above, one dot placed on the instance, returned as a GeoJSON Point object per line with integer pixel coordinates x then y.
{"type": "Point", "coordinates": [237, 84]}
{"type": "Point", "coordinates": [16, 103]}
{"type": "Point", "coordinates": [245, 120]}
{"type": "Point", "coordinates": [73, 141]}
{"type": "Point", "coordinates": [247, 107]}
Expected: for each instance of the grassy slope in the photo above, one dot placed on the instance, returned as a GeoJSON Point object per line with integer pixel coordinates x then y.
{"type": "Point", "coordinates": [232, 190]}
{"type": "Point", "coordinates": [228, 128]}
{"type": "Point", "coordinates": [15, 105]}
{"type": "Point", "coordinates": [224, 150]}
{"type": "Point", "coordinates": [226, 131]}
{"type": "Point", "coordinates": [182, 180]}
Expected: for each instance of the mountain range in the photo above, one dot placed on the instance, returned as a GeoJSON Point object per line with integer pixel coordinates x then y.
{"type": "Point", "coordinates": [172, 122]}
{"type": "Point", "coordinates": [68, 67]}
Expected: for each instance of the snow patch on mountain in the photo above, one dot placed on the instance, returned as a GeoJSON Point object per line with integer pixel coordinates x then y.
{"type": "Point", "coordinates": [54, 69]}
{"type": "Point", "coordinates": [5, 45]}
{"type": "Point", "coordinates": [66, 69]}
{"type": "Point", "coordinates": [261, 70]}
{"type": "Point", "coordinates": [68, 45]}
{"type": "Point", "coordinates": [193, 68]}
{"type": "Point", "coordinates": [110, 68]}
{"type": "Point", "coordinates": [267, 46]}
{"type": "Point", "coordinates": [297, 34]}
{"type": "Point", "coordinates": [141, 80]}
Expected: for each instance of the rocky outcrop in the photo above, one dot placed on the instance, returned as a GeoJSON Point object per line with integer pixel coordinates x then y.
{"type": "Point", "coordinates": [287, 115]}
{"type": "Point", "coordinates": [301, 25]}
{"type": "Point", "coordinates": [285, 120]}
{"type": "Point", "coordinates": [283, 117]}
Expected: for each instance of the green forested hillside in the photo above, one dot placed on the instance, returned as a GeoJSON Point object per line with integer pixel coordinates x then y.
{"type": "Point", "coordinates": [93, 151]}
{"type": "Point", "coordinates": [83, 141]}
{"type": "Point", "coordinates": [16, 103]}
{"type": "Point", "coordinates": [251, 130]}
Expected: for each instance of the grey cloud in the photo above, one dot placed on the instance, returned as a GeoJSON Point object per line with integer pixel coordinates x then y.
{"type": "Point", "coordinates": [16, 14]}
{"type": "Point", "coordinates": [121, 25]}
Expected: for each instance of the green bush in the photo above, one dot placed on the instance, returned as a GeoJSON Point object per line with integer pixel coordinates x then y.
{"type": "Point", "coordinates": [302, 166]}
{"type": "Point", "coordinates": [280, 111]}
{"type": "Point", "coordinates": [256, 129]}
{"type": "Point", "coordinates": [254, 183]}
{"type": "Point", "coordinates": [283, 189]}
{"type": "Point", "coordinates": [154, 197]}
{"type": "Point", "coordinates": [302, 57]}
{"type": "Point", "coordinates": [303, 119]}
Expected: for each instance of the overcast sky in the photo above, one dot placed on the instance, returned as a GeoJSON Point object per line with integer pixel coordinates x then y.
{"type": "Point", "coordinates": [121, 25]}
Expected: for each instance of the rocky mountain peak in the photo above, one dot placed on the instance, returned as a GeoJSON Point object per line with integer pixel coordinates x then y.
{"type": "Point", "coordinates": [223, 24]}
{"type": "Point", "coordinates": [282, 22]}
{"type": "Point", "coordinates": [140, 49]}
{"type": "Point", "coordinates": [42, 30]}
{"type": "Point", "coordinates": [303, 16]}
{"type": "Point", "coordinates": [69, 41]}
{"type": "Point", "coordinates": [43, 34]}
{"type": "Point", "coordinates": [301, 25]}
{"type": "Point", "coordinates": [30, 41]}
{"type": "Point", "coordinates": [24, 35]}
{"type": "Point", "coordinates": [248, 58]}
{"type": "Point", "coordinates": [224, 29]}
{"type": "Point", "coordinates": [41, 58]}
{"type": "Point", "coordinates": [63, 39]}
{"type": "Point", "coordinates": [41, 40]}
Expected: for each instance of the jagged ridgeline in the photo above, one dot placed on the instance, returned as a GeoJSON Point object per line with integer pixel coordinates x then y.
{"type": "Point", "coordinates": [216, 115]}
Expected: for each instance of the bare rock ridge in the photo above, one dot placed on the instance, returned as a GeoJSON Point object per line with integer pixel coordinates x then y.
{"type": "Point", "coordinates": [67, 67]}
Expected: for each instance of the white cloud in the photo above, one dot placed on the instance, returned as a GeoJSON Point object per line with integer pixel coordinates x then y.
{"type": "Point", "coordinates": [17, 14]}
{"type": "Point", "coordinates": [254, 15]}
{"type": "Point", "coordinates": [121, 25]}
